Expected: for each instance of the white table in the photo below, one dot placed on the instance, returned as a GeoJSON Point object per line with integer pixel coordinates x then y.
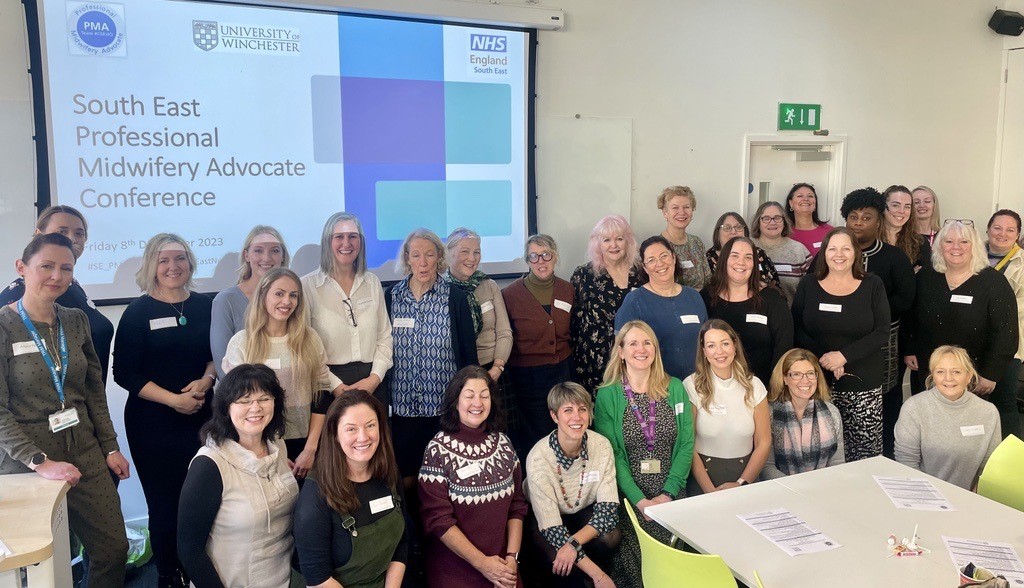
{"type": "Point", "coordinates": [34, 525]}
{"type": "Point", "coordinates": [845, 503]}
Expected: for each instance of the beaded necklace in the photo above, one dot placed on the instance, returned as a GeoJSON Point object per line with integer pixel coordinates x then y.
{"type": "Point", "coordinates": [561, 485]}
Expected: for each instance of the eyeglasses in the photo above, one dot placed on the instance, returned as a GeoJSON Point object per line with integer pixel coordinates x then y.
{"type": "Point", "coordinates": [535, 257]}
{"type": "Point", "coordinates": [961, 221]}
{"type": "Point", "coordinates": [663, 258]}
{"type": "Point", "coordinates": [768, 220]}
{"type": "Point", "coordinates": [802, 375]}
{"type": "Point", "coordinates": [351, 314]}
{"type": "Point", "coordinates": [262, 401]}
{"type": "Point", "coordinates": [732, 228]}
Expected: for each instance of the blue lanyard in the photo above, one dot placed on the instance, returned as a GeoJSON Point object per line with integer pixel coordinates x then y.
{"type": "Point", "coordinates": [57, 375]}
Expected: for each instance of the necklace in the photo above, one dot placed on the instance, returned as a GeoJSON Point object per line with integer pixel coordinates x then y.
{"type": "Point", "coordinates": [561, 485]}
{"type": "Point", "coordinates": [181, 313]}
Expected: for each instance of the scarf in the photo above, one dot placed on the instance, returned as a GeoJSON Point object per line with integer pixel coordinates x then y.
{"type": "Point", "coordinates": [469, 287]}
{"type": "Point", "coordinates": [792, 455]}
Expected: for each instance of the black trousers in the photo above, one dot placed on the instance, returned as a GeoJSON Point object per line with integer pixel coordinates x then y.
{"type": "Point", "coordinates": [600, 549]}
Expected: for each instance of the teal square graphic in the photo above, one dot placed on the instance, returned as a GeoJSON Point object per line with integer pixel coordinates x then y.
{"type": "Point", "coordinates": [403, 206]}
{"type": "Point", "coordinates": [482, 205]}
{"type": "Point", "coordinates": [478, 123]}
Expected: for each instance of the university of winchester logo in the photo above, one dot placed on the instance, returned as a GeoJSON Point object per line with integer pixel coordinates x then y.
{"type": "Point", "coordinates": [204, 34]}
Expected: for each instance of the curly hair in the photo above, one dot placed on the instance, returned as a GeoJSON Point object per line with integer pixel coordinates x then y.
{"type": "Point", "coordinates": [863, 198]}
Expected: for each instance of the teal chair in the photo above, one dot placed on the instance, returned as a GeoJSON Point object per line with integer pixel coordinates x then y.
{"type": "Point", "coordinates": [665, 567]}
{"type": "Point", "coordinates": [1003, 477]}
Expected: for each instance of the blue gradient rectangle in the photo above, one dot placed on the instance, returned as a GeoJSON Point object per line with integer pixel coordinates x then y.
{"type": "Point", "coordinates": [376, 48]}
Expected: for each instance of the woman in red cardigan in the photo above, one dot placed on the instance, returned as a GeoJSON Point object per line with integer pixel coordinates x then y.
{"type": "Point", "coordinates": [539, 307]}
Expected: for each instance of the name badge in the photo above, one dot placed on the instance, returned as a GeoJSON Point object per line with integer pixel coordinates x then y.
{"type": "Point", "coordinates": [687, 264]}
{"type": "Point", "coordinates": [63, 419]}
{"type": "Point", "coordinates": [717, 409]}
{"type": "Point", "coordinates": [757, 318]}
{"type": "Point", "coordinates": [680, 407]}
{"type": "Point", "coordinates": [23, 347]}
{"type": "Point", "coordinates": [468, 471]}
{"type": "Point", "coordinates": [689, 319]}
{"type": "Point", "coordinates": [783, 267]}
{"type": "Point", "coordinates": [650, 466]}
{"type": "Point", "coordinates": [273, 363]}
{"type": "Point", "coordinates": [972, 430]}
{"type": "Point", "coordinates": [364, 303]}
{"type": "Point", "coordinates": [830, 307]}
{"type": "Point", "coordinates": [562, 304]}
{"type": "Point", "coordinates": [381, 504]}
{"type": "Point", "coordinates": [816, 245]}
{"type": "Point", "coordinates": [961, 299]}
{"type": "Point", "coordinates": [486, 307]}
{"type": "Point", "coordinates": [163, 323]}
{"type": "Point", "coordinates": [590, 477]}
{"type": "Point", "coordinates": [404, 323]}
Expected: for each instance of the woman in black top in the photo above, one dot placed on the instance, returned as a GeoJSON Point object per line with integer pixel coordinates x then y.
{"type": "Point", "coordinates": [963, 301]}
{"type": "Point", "coordinates": [601, 284]}
{"type": "Point", "coordinates": [865, 211]}
{"type": "Point", "coordinates": [840, 313]}
{"type": "Point", "coordinates": [350, 523]}
{"type": "Point", "coordinates": [161, 358]}
{"type": "Point", "coordinates": [730, 225]}
{"type": "Point", "coordinates": [759, 314]}
{"type": "Point", "coordinates": [67, 221]}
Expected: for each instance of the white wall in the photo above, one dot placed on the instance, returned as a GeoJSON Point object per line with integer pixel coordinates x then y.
{"type": "Point", "coordinates": [915, 84]}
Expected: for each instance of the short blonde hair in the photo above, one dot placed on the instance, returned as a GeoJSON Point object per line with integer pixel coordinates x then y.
{"type": "Point", "coordinates": [458, 236]}
{"type": "Point", "coordinates": [778, 390]}
{"type": "Point", "coordinates": [959, 354]}
{"type": "Point", "coordinates": [402, 264]}
{"type": "Point", "coordinates": [244, 267]}
{"type": "Point", "coordinates": [569, 392]}
{"type": "Point", "coordinates": [146, 276]}
{"type": "Point", "coordinates": [979, 256]}
{"type": "Point", "coordinates": [673, 191]}
{"type": "Point", "coordinates": [545, 241]}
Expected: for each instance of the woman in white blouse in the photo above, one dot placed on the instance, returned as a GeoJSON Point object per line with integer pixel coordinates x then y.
{"type": "Point", "coordinates": [731, 422]}
{"type": "Point", "coordinates": [346, 306]}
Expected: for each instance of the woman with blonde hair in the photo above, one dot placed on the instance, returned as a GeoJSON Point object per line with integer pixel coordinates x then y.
{"type": "Point", "coordinates": [601, 284]}
{"type": "Point", "coordinates": [677, 204]}
{"type": "Point", "coordinates": [927, 218]}
{"type": "Point", "coordinates": [807, 430]}
{"type": "Point", "coordinates": [277, 334]}
{"type": "Point", "coordinates": [732, 431]}
{"type": "Point", "coordinates": [262, 250]}
{"type": "Point", "coordinates": [946, 431]}
{"type": "Point", "coordinates": [161, 357]}
{"type": "Point", "coordinates": [645, 413]}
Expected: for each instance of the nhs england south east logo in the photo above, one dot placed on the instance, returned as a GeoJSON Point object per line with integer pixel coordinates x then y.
{"type": "Point", "coordinates": [204, 34]}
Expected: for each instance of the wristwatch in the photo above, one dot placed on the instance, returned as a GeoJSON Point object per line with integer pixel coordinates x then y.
{"type": "Point", "coordinates": [741, 481]}
{"type": "Point", "coordinates": [515, 555]}
{"type": "Point", "coordinates": [36, 461]}
{"type": "Point", "coordinates": [575, 544]}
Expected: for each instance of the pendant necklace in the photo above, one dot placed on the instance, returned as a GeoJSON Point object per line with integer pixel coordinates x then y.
{"type": "Point", "coordinates": [181, 313]}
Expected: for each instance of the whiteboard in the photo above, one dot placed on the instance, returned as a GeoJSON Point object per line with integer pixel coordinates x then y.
{"type": "Point", "coordinates": [584, 172]}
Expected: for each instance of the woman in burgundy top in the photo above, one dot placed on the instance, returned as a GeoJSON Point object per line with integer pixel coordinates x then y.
{"type": "Point", "coordinates": [540, 308]}
{"type": "Point", "coordinates": [471, 490]}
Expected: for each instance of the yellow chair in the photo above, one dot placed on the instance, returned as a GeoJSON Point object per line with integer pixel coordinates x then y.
{"type": "Point", "coordinates": [665, 567]}
{"type": "Point", "coordinates": [1003, 477]}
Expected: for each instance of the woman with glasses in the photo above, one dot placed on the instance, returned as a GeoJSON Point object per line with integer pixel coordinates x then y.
{"type": "Point", "coordinates": [807, 430]}
{"type": "Point", "coordinates": [601, 285]}
{"type": "Point", "coordinates": [540, 309]}
{"type": "Point", "coordinates": [1007, 257]}
{"type": "Point", "coordinates": [771, 233]}
{"type": "Point", "coordinates": [962, 301]}
{"type": "Point", "coordinates": [673, 311]}
{"type": "Point", "coordinates": [346, 307]}
{"type": "Point", "coordinates": [899, 226]}
{"type": "Point", "coordinates": [841, 314]}
{"type": "Point", "coordinates": [677, 204]}
{"type": "Point", "coordinates": [235, 520]}
{"type": "Point", "coordinates": [262, 251]}
{"type": "Point", "coordinates": [731, 225]}
{"type": "Point", "coordinates": [927, 218]}
{"type": "Point", "coordinates": [802, 210]}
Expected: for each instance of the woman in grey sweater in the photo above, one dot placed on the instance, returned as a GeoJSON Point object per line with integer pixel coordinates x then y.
{"type": "Point", "coordinates": [947, 431]}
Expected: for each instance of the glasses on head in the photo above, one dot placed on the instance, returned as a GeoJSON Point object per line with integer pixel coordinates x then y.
{"type": "Point", "coordinates": [732, 228]}
{"type": "Point", "coordinates": [351, 314]}
{"type": "Point", "coordinates": [663, 258]}
{"type": "Point", "coordinates": [803, 184]}
{"type": "Point", "coordinates": [896, 206]}
{"type": "Point", "coordinates": [960, 221]}
{"type": "Point", "coordinates": [262, 401]}
{"type": "Point", "coordinates": [802, 375]}
{"type": "Point", "coordinates": [769, 220]}
{"type": "Point", "coordinates": [535, 257]}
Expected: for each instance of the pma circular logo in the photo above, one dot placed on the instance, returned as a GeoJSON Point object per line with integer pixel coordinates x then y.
{"type": "Point", "coordinates": [96, 29]}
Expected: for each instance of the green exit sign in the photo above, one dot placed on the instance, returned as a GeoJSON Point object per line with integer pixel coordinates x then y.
{"type": "Point", "coordinates": [799, 117]}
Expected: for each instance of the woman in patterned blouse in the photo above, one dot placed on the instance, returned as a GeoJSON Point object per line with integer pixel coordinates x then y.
{"type": "Point", "coordinates": [730, 225]}
{"type": "Point", "coordinates": [677, 204]}
{"type": "Point", "coordinates": [601, 284]}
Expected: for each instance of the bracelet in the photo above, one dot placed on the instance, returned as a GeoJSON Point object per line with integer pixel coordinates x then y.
{"type": "Point", "coordinates": [211, 376]}
{"type": "Point", "coordinates": [741, 481]}
{"type": "Point", "coordinates": [109, 453]}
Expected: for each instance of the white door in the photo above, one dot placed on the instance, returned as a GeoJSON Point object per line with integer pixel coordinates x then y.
{"type": "Point", "coordinates": [1010, 187]}
{"type": "Point", "coordinates": [775, 168]}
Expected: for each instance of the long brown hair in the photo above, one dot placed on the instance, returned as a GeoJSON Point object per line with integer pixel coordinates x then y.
{"type": "Point", "coordinates": [740, 370]}
{"type": "Point", "coordinates": [821, 266]}
{"type": "Point", "coordinates": [907, 240]}
{"type": "Point", "coordinates": [719, 282]}
{"type": "Point", "coordinates": [332, 464]}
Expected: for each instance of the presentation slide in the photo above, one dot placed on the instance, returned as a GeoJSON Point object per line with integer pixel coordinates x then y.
{"type": "Point", "coordinates": [205, 119]}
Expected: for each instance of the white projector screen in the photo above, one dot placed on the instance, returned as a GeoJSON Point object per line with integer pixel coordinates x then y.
{"type": "Point", "coordinates": [205, 119]}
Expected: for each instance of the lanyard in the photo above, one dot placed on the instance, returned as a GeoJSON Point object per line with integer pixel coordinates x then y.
{"type": "Point", "coordinates": [1006, 258]}
{"type": "Point", "coordinates": [646, 427]}
{"type": "Point", "coordinates": [56, 374]}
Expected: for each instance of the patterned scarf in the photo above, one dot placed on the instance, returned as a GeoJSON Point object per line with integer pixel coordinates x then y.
{"type": "Point", "coordinates": [792, 455]}
{"type": "Point", "coordinates": [469, 287]}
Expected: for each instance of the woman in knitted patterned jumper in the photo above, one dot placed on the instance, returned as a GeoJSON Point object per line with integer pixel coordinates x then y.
{"type": "Point", "coordinates": [471, 491]}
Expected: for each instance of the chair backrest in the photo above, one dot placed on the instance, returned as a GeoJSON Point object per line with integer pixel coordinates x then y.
{"type": "Point", "coordinates": [1003, 477]}
{"type": "Point", "coordinates": [666, 567]}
